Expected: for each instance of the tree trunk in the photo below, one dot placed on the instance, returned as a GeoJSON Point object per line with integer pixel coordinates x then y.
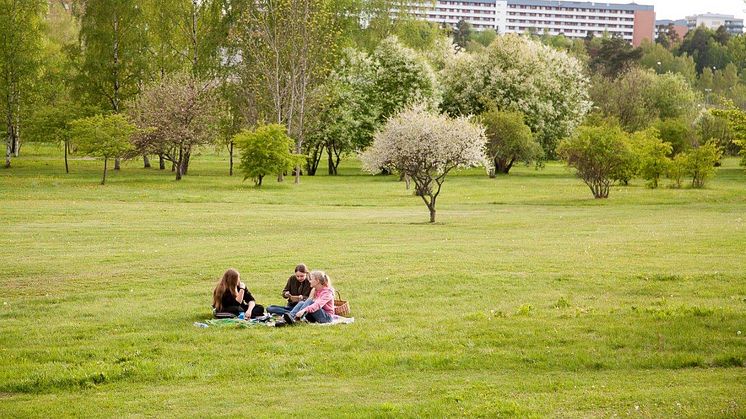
{"type": "Point", "coordinates": [259, 180]}
{"type": "Point", "coordinates": [161, 162]}
{"type": "Point", "coordinates": [16, 145]}
{"type": "Point", "coordinates": [230, 152]}
{"type": "Point", "coordinates": [103, 181]}
{"type": "Point", "coordinates": [67, 168]}
{"type": "Point", "coordinates": [9, 140]}
{"type": "Point", "coordinates": [185, 162]}
{"type": "Point", "coordinates": [178, 165]}
{"type": "Point", "coordinates": [8, 152]}
{"type": "Point", "coordinates": [330, 161]}
{"type": "Point", "coordinates": [116, 164]}
{"type": "Point", "coordinates": [145, 162]}
{"type": "Point", "coordinates": [432, 214]}
{"type": "Point", "coordinates": [280, 177]}
{"type": "Point", "coordinates": [503, 166]}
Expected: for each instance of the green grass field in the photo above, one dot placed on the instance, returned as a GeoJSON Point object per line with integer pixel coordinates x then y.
{"type": "Point", "coordinates": [527, 298]}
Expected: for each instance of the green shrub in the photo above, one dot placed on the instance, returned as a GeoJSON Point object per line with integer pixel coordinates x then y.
{"type": "Point", "coordinates": [265, 150]}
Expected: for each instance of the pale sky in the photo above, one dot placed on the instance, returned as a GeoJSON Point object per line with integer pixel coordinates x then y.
{"type": "Point", "coordinates": [679, 9]}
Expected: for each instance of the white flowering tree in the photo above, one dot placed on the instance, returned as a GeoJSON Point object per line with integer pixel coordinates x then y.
{"type": "Point", "coordinates": [426, 147]}
{"type": "Point", "coordinates": [519, 74]}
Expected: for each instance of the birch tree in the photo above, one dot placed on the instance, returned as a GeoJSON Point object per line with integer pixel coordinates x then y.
{"type": "Point", "coordinates": [20, 47]}
{"type": "Point", "coordinates": [286, 47]}
{"type": "Point", "coordinates": [113, 52]}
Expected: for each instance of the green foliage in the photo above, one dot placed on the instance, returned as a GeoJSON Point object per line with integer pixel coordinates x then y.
{"type": "Point", "coordinates": [509, 139]}
{"type": "Point", "coordinates": [401, 78]}
{"type": "Point", "coordinates": [613, 56]}
{"type": "Point", "coordinates": [710, 126]}
{"type": "Point", "coordinates": [343, 114]}
{"type": "Point", "coordinates": [651, 154]}
{"type": "Point", "coordinates": [519, 74]}
{"type": "Point", "coordinates": [707, 52]}
{"type": "Point", "coordinates": [105, 136]}
{"type": "Point", "coordinates": [737, 123]}
{"type": "Point", "coordinates": [676, 131]}
{"type": "Point", "coordinates": [265, 150]}
{"type": "Point", "coordinates": [640, 96]}
{"type": "Point", "coordinates": [462, 33]}
{"type": "Point", "coordinates": [677, 169]}
{"type": "Point", "coordinates": [113, 58]}
{"type": "Point", "coordinates": [599, 155]}
{"type": "Point", "coordinates": [700, 163]}
{"type": "Point", "coordinates": [661, 60]}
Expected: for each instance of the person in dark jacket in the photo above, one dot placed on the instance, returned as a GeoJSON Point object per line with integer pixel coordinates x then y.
{"type": "Point", "coordinates": [296, 290]}
{"type": "Point", "coordinates": [231, 296]}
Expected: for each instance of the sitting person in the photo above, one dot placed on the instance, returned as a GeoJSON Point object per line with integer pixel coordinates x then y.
{"type": "Point", "coordinates": [320, 307]}
{"type": "Point", "coordinates": [296, 290]}
{"type": "Point", "coordinates": [231, 296]}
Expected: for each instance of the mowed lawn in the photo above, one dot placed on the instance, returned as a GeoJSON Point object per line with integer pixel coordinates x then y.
{"type": "Point", "coordinates": [526, 298]}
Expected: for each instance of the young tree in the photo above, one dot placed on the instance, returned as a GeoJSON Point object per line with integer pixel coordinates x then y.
{"type": "Point", "coordinates": [700, 163]}
{"type": "Point", "coordinates": [677, 169]}
{"type": "Point", "coordinates": [598, 154]}
{"type": "Point", "coordinates": [103, 136]}
{"type": "Point", "coordinates": [509, 140]}
{"type": "Point", "coordinates": [651, 154]}
{"type": "Point", "coordinates": [20, 49]}
{"type": "Point", "coordinates": [175, 116]}
{"type": "Point", "coordinates": [51, 124]}
{"type": "Point", "coordinates": [426, 147]}
{"type": "Point", "coordinates": [265, 150]}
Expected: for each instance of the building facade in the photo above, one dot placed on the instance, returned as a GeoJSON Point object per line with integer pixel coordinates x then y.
{"type": "Point", "coordinates": [714, 21]}
{"type": "Point", "coordinates": [632, 22]}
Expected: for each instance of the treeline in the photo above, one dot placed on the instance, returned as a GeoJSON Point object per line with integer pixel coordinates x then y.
{"type": "Point", "coordinates": [294, 83]}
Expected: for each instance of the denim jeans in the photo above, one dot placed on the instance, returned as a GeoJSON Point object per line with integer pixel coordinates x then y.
{"type": "Point", "coordinates": [280, 310]}
{"type": "Point", "coordinates": [318, 316]}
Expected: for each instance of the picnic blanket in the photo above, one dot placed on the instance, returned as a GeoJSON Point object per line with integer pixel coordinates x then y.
{"type": "Point", "coordinates": [237, 323]}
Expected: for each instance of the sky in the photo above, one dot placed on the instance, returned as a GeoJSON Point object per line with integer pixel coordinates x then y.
{"type": "Point", "coordinates": [679, 9]}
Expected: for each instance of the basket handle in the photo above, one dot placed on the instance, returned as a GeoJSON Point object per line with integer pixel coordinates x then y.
{"type": "Point", "coordinates": [338, 295]}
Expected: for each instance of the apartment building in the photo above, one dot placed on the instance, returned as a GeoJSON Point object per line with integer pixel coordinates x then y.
{"type": "Point", "coordinates": [574, 19]}
{"type": "Point", "coordinates": [714, 21]}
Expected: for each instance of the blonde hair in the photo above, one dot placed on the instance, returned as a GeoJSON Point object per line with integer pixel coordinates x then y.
{"type": "Point", "coordinates": [229, 282]}
{"type": "Point", "coordinates": [322, 277]}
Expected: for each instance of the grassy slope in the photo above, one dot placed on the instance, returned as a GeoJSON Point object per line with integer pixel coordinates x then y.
{"type": "Point", "coordinates": [527, 297]}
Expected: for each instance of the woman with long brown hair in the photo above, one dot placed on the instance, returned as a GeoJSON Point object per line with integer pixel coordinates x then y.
{"type": "Point", "coordinates": [231, 296]}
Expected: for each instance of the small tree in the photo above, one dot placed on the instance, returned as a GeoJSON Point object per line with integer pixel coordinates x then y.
{"type": "Point", "coordinates": [103, 136]}
{"type": "Point", "coordinates": [651, 155]}
{"type": "Point", "coordinates": [700, 163]}
{"type": "Point", "coordinates": [598, 154]}
{"type": "Point", "coordinates": [176, 115]}
{"type": "Point", "coordinates": [677, 169]}
{"type": "Point", "coordinates": [266, 150]}
{"type": "Point", "coordinates": [509, 139]}
{"type": "Point", "coordinates": [425, 147]}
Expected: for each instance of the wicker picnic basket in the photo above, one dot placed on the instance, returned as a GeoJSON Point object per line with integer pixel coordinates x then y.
{"type": "Point", "coordinates": [341, 307]}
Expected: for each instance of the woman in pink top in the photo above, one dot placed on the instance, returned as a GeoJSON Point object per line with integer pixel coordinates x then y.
{"type": "Point", "coordinates": [319, 308]}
